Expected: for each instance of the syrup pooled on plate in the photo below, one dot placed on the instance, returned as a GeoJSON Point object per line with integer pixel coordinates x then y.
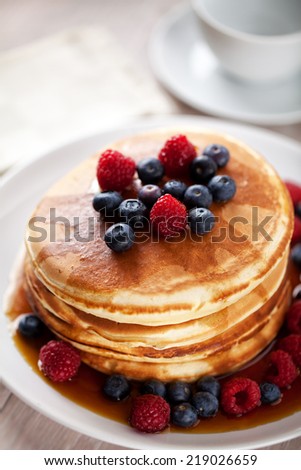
{"type": "Point", "coordinates": [86, 389]}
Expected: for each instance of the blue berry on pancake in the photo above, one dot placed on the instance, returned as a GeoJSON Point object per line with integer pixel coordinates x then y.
{"type": "Point", "coordinates": [218, 153]}
{"type": "Point", "coordinates": [119, 237]}
{"type": "Point", "coordinates": [222, 188]}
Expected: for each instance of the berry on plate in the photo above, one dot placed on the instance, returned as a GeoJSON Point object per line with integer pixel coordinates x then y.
{"type": "Point", "coordinates": [200, 220]}
{"type": "Point", "coordinates": [202, 169]}
{"type": "Point", "coordinates": [184, 415]}
{"type": "Point", "coordinates": [292, 345]}
{"type": "Point", "coordinates": [30, 325]}
{"type": "Point", "coordinates": [116, 387]}
{"type": "Point", "coordinates": [168, 216]}
{"type": "Point", "coordinates": [209, 384]}
{"type": "Point", "coordinates": [119, 237]}
{"type": "Point", "coordinates": [114, 171]}
{"type": "Point", "coordinates": [150, 170]}
{"type": "Point", "coordinates": [295, 191]}
{"type": "Point", "coordinates": [270, 393]}
{"type": "Point", "coordinates": [296, 255]}
{"type": "Point", "coordinates": [296, 237]}
{"type": "Point", "coordinates": [222, 188]}
{"type": "Point", "coordinates": [132, 212]}
{"type": "Point", "coordinates": [176, 155]}
{"type": "Point", "coordinates": [297, 292]}
{"type": "Point", "coordinates": [153, 387]}
{"type": "Point", "coordinates": [150, 413]}
{"type": "Point", "coordinates": [178, 392]}
{"type": "Point", "coordinates": [59, 361]}
{"type": "Point", "coordinates": [107, 202]}
{"type": "Point", "coordinates": [205, 403]}
{"type": "Point", "coordinates": [175, 188]}
{"type": "Point", "coordinates": [197, 195]}
{"type": "Point", "coordinates": [282, 371]}
{"type": "Point", "coordinates": [149, 194]}
{"type": "Point", "coordinates": [293, 318]}
{"type": "Point", "coordinates": [298, 209]}
{"type": "Point", "coordinates": [239, 396]}
{"type": "Point", "coordinates": [218, 153]}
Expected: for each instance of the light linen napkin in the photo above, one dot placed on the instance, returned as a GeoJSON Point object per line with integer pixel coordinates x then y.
{"type": "Point", "coordinates": [66, 87]}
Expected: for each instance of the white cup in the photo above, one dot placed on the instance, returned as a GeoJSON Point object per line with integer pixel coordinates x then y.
{"type": "Point", "coordinates": [257, 40]}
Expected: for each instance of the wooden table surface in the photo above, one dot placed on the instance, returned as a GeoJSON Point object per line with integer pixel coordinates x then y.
{"type": "Point", "coordinates": [131, 21]}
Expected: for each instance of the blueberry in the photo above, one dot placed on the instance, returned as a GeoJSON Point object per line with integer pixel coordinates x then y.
{"type": "Point", "coordinates": [270, 393]}
{"type": "Point", "coordinates": [201, 220]}
{"type": "Point", "coordinates": [107, 202]}
{"type": "Point", "coordinates": [149, 194]}
{"type": "Point", "coordinates": [116, 387]}
{"type": "Point", "coordinates": [175, 188]}
{"type": "Point", "coordinates": [132, 212]}
{"type": "Point", "coordinates": [205, 403]}
{"type": "Point", "coordinates": [209, 384]}
{"type": "Point", "coordinates": [184, 415]}
{"type": "Point", "coordinates": [150, 170]}
{"type": "Point", "coordinates": [202, 169]}
{"type": "Point", "coordinates": [298, 209]}
{"type": "Point", "coordinates": [154, 387]}
{"type": "Point", "coordinates": [218, 153]}
{"type": "Point", "coordinates": [222, 188]}
{"type": "Point", "coordinates": [296, 255]}
{"type": "Point", "coordinates": [178, 392]}
{"type": "Point", "coordinates": [297, 292]}
{"type": "Point", "coordinates": [197, 195]}
{"type": "Point", "coordinates": [30, 326]}
{"type": "Point", "coordinates": [119, 237]}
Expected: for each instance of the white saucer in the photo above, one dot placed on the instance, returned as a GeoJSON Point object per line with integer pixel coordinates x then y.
{"type": "Point", "coordinates": [185, 65]}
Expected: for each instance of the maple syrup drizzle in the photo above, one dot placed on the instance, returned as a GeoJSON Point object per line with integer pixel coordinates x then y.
{"type": "Point", "coordinates": [86, 388]}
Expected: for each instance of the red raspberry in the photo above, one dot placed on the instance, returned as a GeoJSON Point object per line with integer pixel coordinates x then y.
{"type": "Point", "coordinates": [293, 318]}
{"type": "Point", "coordinates": [295, 191]}
{"type": "Point", "coordinates": [239, 396]}
{"type": "Point", "coordinates": [176, 155]}
{"type": "Point", "coordinates": [292, 345]}
{"type": "Point", "coordinates": [59, 361]}
{"type": "Point", "coordinates": [150, 413]}
{"type": "Point", "coordinates": [282, 370]}
{"type": "Point", "coordinates": [297, 231]}
{"type": "Point", "coordinates": [168, 216]}
{"type": "Point", "coordinates": [114, 171]}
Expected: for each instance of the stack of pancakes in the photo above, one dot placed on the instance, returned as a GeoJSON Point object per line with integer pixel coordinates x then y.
{"type": "Point", "coordinates": [166, 310]}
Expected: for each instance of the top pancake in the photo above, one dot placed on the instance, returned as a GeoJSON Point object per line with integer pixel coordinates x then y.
{"type": "Point", "coordinates": [157, 282]}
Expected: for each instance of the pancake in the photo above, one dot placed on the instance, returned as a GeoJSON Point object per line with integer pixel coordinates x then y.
{"type": "Point", "coordinates": [164, 309]}
{"type": "Point", "coordinates": [88, 329]}
{"type": "Point", "coordinates": [229, 358]}
{"type": "Point", "coordinates": [163, 283]}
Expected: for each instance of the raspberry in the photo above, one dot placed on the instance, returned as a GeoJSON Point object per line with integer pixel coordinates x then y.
{"type": "Point", "coordinates": [282, 370]}
{"type": "Point", "coordinates": [114, 171]}
{"type": "Point", "coordinates": [176, 155]}
{"type": "Point", "coordinates": [150, 413]}
{"type": "Point", "coordinates": [168, 216]}
{"type": "Point", "coordinates": [292, 345]}
{"type": "Point", "coordinates": [293, 318]}
{"type": "Point", "coordinates": [297, 231]}
{"type": "Point", "coordinates": [239, 396]}
{"type": "Point", "coordinates": [295, 191]}
{"type": "Point", "coordinates": [59, 361]}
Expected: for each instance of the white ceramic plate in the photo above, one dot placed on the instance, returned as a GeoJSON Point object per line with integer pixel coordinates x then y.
{"type": "Point", "coordinates": [184, 64]}
{"type": "Point", "coordinates": [21, 189]}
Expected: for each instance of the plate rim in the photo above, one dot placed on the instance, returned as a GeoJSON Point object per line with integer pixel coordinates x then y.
{"type": "Point", "coordinates": [135, 126]}
{"type": "Point", "coordinates": [155, 55]}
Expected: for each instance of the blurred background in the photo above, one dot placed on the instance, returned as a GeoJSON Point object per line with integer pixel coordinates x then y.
{"type": "Point", "coordinates": [69, 68]}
